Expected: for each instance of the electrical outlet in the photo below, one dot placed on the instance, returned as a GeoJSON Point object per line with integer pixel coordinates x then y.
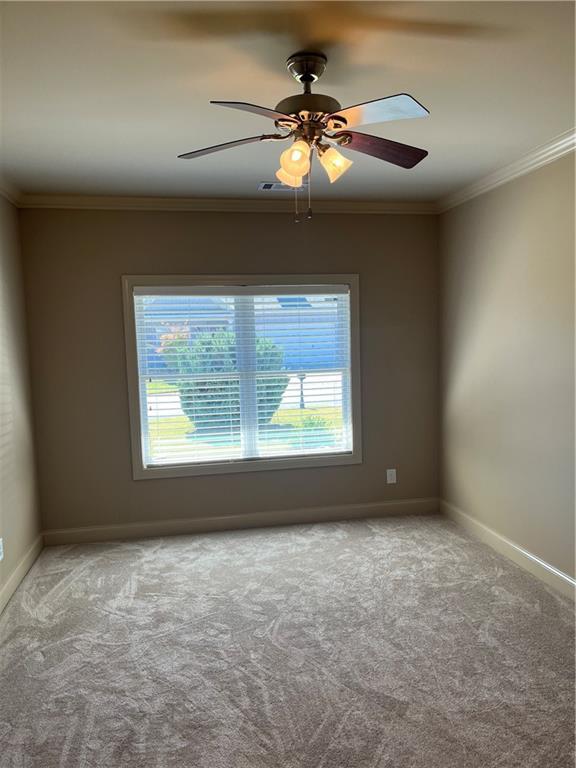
{"type": "Point", "coordinates": [1, 549]}
{"type": "Point", "coordinates": [390, 476]}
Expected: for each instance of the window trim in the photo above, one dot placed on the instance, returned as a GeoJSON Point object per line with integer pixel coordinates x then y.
{"type": "Point", "coordinates": [140, 471]}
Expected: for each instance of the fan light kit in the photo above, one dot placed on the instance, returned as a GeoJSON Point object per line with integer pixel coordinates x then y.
{"type": "Point", "coordinates": [316, 123]}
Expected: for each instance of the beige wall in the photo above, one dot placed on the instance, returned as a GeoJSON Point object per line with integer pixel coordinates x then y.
{"type": "Point", "coordinates": [19, 522]}
{"type": "Point", "coordinates": [508, 361]}
{"type": "Point", "coordinates": [74, 262]}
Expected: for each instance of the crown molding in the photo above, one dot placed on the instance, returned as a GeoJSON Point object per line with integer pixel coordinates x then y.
{"type": "Point", "coordinates": [546, 153]}
{"type": "Point", "coordinates": [221, 205]}
{"type": "Point", "coordinates": [556, 148]}
{"type": "Point", "coordinates": [8, 191]}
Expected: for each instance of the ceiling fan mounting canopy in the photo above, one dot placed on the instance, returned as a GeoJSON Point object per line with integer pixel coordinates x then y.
{"type": "Point", "coordinates": [306, 66]}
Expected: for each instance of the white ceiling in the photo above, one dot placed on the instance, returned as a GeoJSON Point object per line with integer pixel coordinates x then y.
{"type": "Point", "coordinates": [99, 98]}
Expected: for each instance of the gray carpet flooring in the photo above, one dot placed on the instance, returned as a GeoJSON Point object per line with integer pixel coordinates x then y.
{"type": "Point", "coordinates": [396, 643]}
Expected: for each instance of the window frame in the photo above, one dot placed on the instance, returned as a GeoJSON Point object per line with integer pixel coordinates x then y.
{"type": "Point", "coordinates": [140, 471]}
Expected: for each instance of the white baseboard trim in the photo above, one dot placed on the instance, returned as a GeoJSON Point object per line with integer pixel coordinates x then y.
{"type": "Point", "coordinates": [530, 562]}
{"type": "Point", "coordinates": [231, 522]}
{"type": "Point", "coordinates": [26, 562]}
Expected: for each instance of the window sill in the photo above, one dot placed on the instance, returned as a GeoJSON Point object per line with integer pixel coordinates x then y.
{"type": "Point", "coordinates": [247, 465]}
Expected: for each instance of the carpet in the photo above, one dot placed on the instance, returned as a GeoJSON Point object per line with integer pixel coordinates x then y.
{"type": "Point", "coordinates": [389, 643]}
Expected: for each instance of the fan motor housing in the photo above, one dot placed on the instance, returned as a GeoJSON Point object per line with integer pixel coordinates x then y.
{"type": "Point", "coordinates": [313, 103]}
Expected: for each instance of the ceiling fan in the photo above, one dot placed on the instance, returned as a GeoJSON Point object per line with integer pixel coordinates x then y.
{"type": "Point", "coordinates": [317, 123]}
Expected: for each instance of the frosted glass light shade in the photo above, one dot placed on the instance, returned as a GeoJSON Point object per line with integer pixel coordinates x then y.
{"type": "Point", "coordinates": [334, 163]}
{"type": "Point", "coordinates": [296, 159]}
{"type": "Point", "coordinates": [288, 179]}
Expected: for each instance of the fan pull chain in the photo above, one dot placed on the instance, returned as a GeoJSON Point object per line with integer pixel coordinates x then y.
{"type": "Point", "coordinates": [309, 211]}
{"type": "Point", "coordinates": [296, 215]}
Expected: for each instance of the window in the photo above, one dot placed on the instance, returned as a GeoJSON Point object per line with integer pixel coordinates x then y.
{"type": "Point", "coordinates": [242, 373]}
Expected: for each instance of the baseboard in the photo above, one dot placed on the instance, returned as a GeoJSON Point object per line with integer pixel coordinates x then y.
{"type": "Point", "coordinates": [26, 562]}
{"type": "Point", "coordinates": [530, 562]}
{"type": "Point", "coordinates": [231, 522]}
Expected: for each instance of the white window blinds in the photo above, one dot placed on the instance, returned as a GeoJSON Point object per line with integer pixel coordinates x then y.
{"type": "Point", "coordinates": [237, 373]}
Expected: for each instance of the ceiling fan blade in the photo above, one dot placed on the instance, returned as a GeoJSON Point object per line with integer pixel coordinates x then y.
{"type": "Point", "coordinates": [398, 107]}
{"type": "Point", "coordinates": [263, 111]}
{"type": "Point", "coordinates": [391, 151]}
{"type": "Point", "coordinates": [218, 147]}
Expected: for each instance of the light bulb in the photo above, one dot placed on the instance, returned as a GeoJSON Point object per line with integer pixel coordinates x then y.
{"type": "Point", "coordinates": [334, 163]}
{"type": "Point", "coordinates": [288, 179]}
{"type": "Point", "coordinates": [296, 159]}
